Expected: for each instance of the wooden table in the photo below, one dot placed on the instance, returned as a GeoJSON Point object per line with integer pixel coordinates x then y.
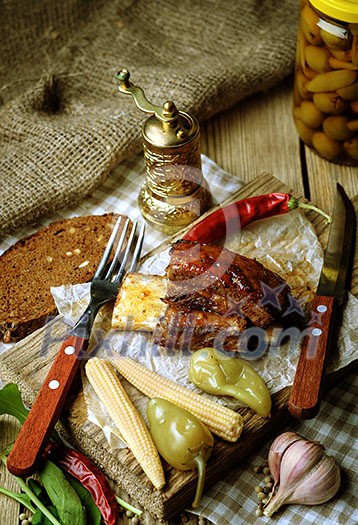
{"type": "Point", "coordinates": [255, 136]}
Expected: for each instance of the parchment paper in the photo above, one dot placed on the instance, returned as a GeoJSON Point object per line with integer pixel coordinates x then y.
{"type": "Point", "coordinates": [286, 244]}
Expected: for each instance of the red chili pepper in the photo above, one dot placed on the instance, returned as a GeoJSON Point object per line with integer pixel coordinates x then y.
{"type": "Point", "coordinates": [232, 218]}
{"type": "Point", "coordinates": [81, 468]}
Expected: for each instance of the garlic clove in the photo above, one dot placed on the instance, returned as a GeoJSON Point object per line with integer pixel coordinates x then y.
{"type": "Point", "coordinates": [299, 459]}
{"type": "Point", "coordinates": [320, 485]}
{"type": "Point", "coordinates": [277, 449]}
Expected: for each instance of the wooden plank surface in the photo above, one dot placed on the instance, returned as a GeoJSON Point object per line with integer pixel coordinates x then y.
{"type": "Point", "coordinates": [323, 177]}
{"type": "Point", "coordinates": [9, 508]}
{"type": "Point", "coordinates": [257, 135]}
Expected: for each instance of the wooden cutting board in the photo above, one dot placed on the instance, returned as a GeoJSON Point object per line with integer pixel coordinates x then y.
{"type": "Point", "coordinates": [28, 362]}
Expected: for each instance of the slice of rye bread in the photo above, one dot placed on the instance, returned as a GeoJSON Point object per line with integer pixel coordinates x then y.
{"type": "Point", "coordinates": [66, 252]}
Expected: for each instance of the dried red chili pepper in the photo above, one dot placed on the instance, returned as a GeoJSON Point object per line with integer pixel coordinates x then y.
{"type": "Point", "coordinates": [81, 468]}
{"type": "Point", "coordinates": [230, 219]}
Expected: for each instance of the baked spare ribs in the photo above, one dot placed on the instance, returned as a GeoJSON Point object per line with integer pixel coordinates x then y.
{"type": "Point", "coordinates": [213, 291]}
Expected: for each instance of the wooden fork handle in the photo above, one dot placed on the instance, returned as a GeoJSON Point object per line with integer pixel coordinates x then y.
{"type": "Point", "coordinates": [304, 401]}
{"type": "Point", "coordinates": [45, 412]}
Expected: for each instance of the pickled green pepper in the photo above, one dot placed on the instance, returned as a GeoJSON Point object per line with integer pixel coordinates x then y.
{"type": "Point", "coordinates": [181, 439]}
{"type": "Point", "coordinates": [217, 373]}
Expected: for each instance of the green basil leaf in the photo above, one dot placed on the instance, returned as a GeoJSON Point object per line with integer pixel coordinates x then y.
{"type": "Point", "coordinates": [39, 519]}
{"type": "Point", "coordinates": [92, 511]}
{"type": "Point", "coordinates": [39, 491]}
{"type": "Point", "coordinates": [11, 402]}
{"type": "Point", "coordinates": [62, 495]}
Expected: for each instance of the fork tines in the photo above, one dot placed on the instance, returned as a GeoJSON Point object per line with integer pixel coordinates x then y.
{"type": "Point", "coordinates": [101, 272]}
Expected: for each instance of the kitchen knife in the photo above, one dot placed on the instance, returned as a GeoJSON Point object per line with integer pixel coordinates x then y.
{"type": "Point", "coordinates": [304, 401]}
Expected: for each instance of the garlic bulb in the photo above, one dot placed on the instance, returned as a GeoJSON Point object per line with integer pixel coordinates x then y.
{"type": "Point", "coordinates": [306, 474]}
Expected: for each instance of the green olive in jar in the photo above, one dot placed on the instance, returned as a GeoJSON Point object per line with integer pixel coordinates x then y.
{"type": "Point", "coordinates": [309, 25]}
{"type": "Point", "coordinates": [330, 103]}
{"type": "Point", "coordinates": [336, 128]}
{"type": "Point", "coordinates": [333, 41]}
{"type": "Point", "coordinates": [304, 132]}
{"type": "Point", "coordinates": [332, 81]}
{"type": "Point", "coordinates": [351, 148]}
{"type": "Point", "coordinates": [326, 147]}
{"type": "Point", "coordinates": [311, 115]}
{"type": "Point", "coordinates": [349, 92]}
{"type": "Point", "coordinates": [335, 63]}
{"type": "Point", "coordinates": [343, 56]}
{"type": "Point", "coordinates": [301, 86]}
{"type": "Point", "coordinates": [317, 58]}
{"type": "Point", "coordinates": [352, 125]}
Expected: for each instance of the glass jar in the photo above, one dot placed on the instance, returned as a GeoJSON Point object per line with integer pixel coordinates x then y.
{"type": "Point", "coordinates": [326, 79]}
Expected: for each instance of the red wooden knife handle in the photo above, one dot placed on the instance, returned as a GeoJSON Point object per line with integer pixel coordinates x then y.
{"type": "Point", "coordinates": [43, 416]}
{"type": "Point", "coordinates": [304, 401]}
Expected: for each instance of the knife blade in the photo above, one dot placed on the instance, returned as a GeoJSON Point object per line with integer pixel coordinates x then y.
{"type": "Point", "coordinates": [304, 401]}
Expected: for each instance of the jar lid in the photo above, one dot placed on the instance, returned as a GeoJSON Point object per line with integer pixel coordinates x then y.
{"type": "Point", "coordinates": [343, 10]}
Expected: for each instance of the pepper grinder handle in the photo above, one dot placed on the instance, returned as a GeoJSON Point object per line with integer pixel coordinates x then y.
{"type": "Point", "coordinates": [166, 113]}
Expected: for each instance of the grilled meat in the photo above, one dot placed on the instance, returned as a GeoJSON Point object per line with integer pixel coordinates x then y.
{"type": "Point", "coordinates": [213, 279]}
{"type": "Point", "coordinates": [192, 329]}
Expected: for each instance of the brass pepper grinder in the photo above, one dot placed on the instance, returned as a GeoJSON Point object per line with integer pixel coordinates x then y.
{"type": "Point", "coordinates": [175, 192]}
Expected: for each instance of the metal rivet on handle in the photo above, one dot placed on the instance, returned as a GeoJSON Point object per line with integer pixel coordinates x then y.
{"type": "Point", "coordinates": [322, 308]}
{"type": "Point", "coordinates": [54, 384]}
{"type": "Point", "coordinates": [69, 350]}
{"type": "Point", "coordinates": [316, 331]}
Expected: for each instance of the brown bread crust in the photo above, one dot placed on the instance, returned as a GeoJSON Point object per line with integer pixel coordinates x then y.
{"type": "Point", "coordinates": [66, 252]}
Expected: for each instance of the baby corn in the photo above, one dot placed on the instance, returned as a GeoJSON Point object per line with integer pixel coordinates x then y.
{"type": "Point", "coordinates": [222, 421]}
{"type": "Point", "coordinates": [106, 384]}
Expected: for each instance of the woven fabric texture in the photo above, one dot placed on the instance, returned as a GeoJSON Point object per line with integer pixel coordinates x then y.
{"type": "Point", "coordinates": [64, 126]}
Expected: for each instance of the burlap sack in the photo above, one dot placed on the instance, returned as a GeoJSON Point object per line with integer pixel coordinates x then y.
{"type": "Point", "coordinates": [63, 124]}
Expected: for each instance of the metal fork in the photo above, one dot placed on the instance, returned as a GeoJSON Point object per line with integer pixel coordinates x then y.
{"type": "Point", "coordinates": [42, 418]}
